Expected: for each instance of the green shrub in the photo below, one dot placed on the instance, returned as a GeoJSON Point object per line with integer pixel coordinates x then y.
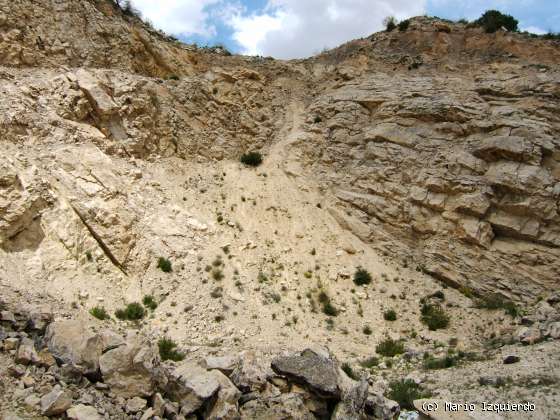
{"type": "Point", "coordinates": [262, 278]}
{"type": "Point", "coordinates": [438, 295]}
{"type": "Point", "coordinates": [349, 371]}
{"type": "Point", "coordinates": [403, 26]}
{"type": "Point", "coordinates": [390, 315]}
{"type": "Point", "coordinates": [552, 35]}
{"type": "Point", "coordinates": [164, 264]}
{"type": "Point", "coordinates": [493, 20]}
{"type": "Point", "coordinates": [390, 347]}
{"type": "Point", "coordinates": [390, 23]}
{"type": "Point", "coordinates": [405, 391]}
{"type": "Point", "coordinates": [99, 312]}
{"type": "Point", "coordinates": [251, 159]}
{"type": "Point", "coordinates": [434, 317]}
{"type": "Point", "coordinates": [329, 309]}
{"type": "Point", "coordinates": [495, 301]}
{"type": "Point", "coordinates": [439, 363]}
{"type": "Point", "coordinates": [149, 302]}
{"type": "Point", "coordinates": [133, 312]}
{"type": "Point", "coordinates": [167, 350]}
{"type": "Point", "coordinates": [367, 330]}
{"type": "Point", "coordinates": [362, 277]}
{"type": "Point", "coordinates": [217, 274]}
{"type": "Point", "coordinates": [369, 362]}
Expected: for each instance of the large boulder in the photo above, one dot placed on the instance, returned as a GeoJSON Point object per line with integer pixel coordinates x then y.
{"type": "Point", "coordinates": [77, 344]}
{"type": "Point", "coordinates": [191, 386]}
{"type": "Point", "coordinates": [315, 369]}
{"type": "Point", "coordinates": [26, 353]}
{"type": "Point", "coordinates": [130, 370]}
{"type": "Point", "coordinates": [83, 412]}
{"type": "Point", "coordinates": [289, 406]}
{"type": "Point", "coordinates": [56, 402]}
{"type": "Point", "coordinates": [225, 406]}
{"type": "Point", "coordinates": [353, 402]}
{"type": "Point", "coordinates": [252, 372]}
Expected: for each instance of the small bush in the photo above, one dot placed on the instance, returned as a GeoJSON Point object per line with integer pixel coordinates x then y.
{"type": "Point", "coordinates": [362, 277]}
{"type": "Point", "coordinates": [217, 274]}
{"type": "Point", "coordinates": [329, 309]}
{"type": "Point", "coordinates": [431, 362]}
{"type": "Point", "coordinates": [370, 362]}
{"type": "Point", "coordinates": [99, 312]}
{"type": "Point", "coordinates": [495, 302]}
{"type": "Point", "coordinates": [390, 347]}
{"type": "Point", "coordinates": [149, 302]}
{"type": "Point", "coordinates": [349, 371]}
{"type": "Point", "coordinates": [133, 312]}
{"type": "Point", "coordinates": [405, 392]}
{"type": "Point", "coordinates": [493, 20]}
{"type": "Point", "coordinates": [164, 264]}
{"type": "Point", "coordinates": [367, 330]}
{"type": "Point", "coordinates": [390, 23]}
{"type": "Point", "coordinates": [251, 159]}
{"type": "Point", "coordinates": [434, 317]}
{"type": "Point", "coordinates": [167, 350]}
{"type": "Point", "coordinates": [390, 315]}
{"type": "Point", "coordinates": [403, 26]}
{"type": "Point", "coordinates": [438, 295]}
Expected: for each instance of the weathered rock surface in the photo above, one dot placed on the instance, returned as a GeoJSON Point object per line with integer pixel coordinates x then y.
{"type": "Point", "coordinates": [130, 369]}
{"type": "Point", "coordinates": [312, 368]}
{"type": "Point", "coordinates": [56, 402]}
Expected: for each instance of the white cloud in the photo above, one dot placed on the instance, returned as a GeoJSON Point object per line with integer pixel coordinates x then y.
{"type": "Point", "coordinates": [179, 17]}
{"type": "Point", "coordinates": [534, 30]}
{"type": "Point", "coordinates": [300, 28]}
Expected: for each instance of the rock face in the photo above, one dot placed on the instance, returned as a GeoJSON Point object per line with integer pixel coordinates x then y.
{"type": "Point", "coordinates": [470, 195]}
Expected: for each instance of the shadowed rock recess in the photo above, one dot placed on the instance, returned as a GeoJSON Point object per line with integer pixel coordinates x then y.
{"type": "Point", "coordinates": [147, 273]}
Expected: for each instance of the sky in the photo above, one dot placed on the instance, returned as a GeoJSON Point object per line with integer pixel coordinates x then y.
{"type": "Point", "coordinates": [301, 28]}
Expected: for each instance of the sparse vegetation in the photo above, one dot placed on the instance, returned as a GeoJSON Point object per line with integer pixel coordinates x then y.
{"type": "Point", "coordinates": [405, 391]}
{"type": "Point", "coordinates": [434, 316]}
{"type": "Point", "coordinates": [495, 302]}
{"type": "Point", "coordinates": [346, 368]}
{"type": "Point", "coordinates": [362, 277]}
{"type": "Point", "coordinates": [367, 330]}
{"type": "Point", "coordinates": [164, 264]}
{"type": "Point", "coordinates": [493, 20]}
{"type": "Point", "coordinates": [217, 274]}
{"type": "Point", "coordinates": [167, 350]}
{"type": "Point", "coordinates": [370, 362]}
{"type": "Point", "coordinates": [132, 312]}
{"type": "Point", "coordinates": [445, 362]}
{"type": "Point", "coordinates": [149, 302]}
{"type": "Point", "coordinates": [390, 23]}
{"type": "Point", "coordinates": [389, 347]}
{"type": "Point", "coordinates": [403, 25]}
{"type": "Point", "coordinates": [251, 159]}
{"type": "Point", "coordinates": [328, 308]}
{"type": "Point", "coordinates": [99, 312]}
{"type": "Point", "coordinates": [390, 315]}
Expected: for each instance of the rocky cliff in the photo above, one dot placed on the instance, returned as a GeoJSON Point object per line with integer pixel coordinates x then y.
{"type": "Point", "coordinates": [429, 157]}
